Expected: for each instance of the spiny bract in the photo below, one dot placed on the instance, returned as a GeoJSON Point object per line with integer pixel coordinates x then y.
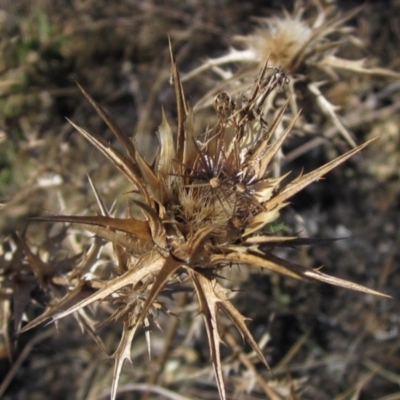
{"type": "Point", "coordinates": [206, 204]}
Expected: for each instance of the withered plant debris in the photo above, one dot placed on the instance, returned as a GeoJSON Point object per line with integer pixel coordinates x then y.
{"type": "Point", "coordinates": [205, 204]}
{"type": "Point", "coordinates": [306, 43]}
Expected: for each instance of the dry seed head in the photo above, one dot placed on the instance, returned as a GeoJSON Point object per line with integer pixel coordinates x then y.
{"type": "Point", "coordinates": [278, 40]}
{"type": "Point", "coordinates": [306, 44]}
{"type": "Point", "coordinates": [290, 41]}
{"type": "Point", "coordinates": [202, 206]}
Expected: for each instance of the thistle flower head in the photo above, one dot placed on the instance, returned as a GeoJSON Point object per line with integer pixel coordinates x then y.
{"type": "Point", "coordinates": [292, 41]}
{"type": "Point", "coordinates": [306, 44]}
{"type": "Point", "coordinates": [279, 40]}
{"type": "Point", "coordinates": [206, 203]}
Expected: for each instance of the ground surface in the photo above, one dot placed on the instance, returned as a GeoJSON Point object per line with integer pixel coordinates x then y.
{"type": "Point", "coordinates": [323, 342]}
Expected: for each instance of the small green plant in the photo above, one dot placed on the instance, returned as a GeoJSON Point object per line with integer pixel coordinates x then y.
{"type": "Point", "coordinates": [209, 201]}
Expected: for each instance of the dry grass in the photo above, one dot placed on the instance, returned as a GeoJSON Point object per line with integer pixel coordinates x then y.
{"type": "Point", "coordinates": [321, 342]}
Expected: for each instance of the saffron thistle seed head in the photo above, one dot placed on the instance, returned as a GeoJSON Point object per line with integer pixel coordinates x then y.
{"type": "Point", "coordinates": [279, 40]}
{"type": "Point", "coordinates": [206, 203]}
{"type": "Point", "coordinates": [306, 44]}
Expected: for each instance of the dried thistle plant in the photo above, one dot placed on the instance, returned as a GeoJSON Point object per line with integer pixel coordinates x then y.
{"type": "Point", "coordinates": [206, 203]}
{"type": "Point", "coordinates": [305, 44]}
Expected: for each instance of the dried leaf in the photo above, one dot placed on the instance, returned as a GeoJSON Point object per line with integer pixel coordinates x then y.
{"type": "Point", "coordinates": [167, 147]}
{"type": "Point", "coordinates": [73, 297]}
{"type": "Point", "coordinates": [245, 257]}
{"type": "Point", "coordinates": [301, 182]}
{"type": "Point", "coordinates": [148, 265]}
{"type": "Point", "coordinates": [181, 106]}
{"type": "Point", "coordinates": [110, 123]}
{"type": "Point", "coordinates": [150, 180]}
{"type": "Point", "coordinates": [356, 66]}
{"type": "Point", "coordinates": [158, 234]}
{"type": "Point", "coordinates": [169, 267]}
{"type": "Point", "coordinates": [139, 229]}
{"type": "Point", "coordinates": [122, 353]}
{"type": "Point", "coordinates": [208, 307]}
{"type": "Point", "coordinates": [126, 166]}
